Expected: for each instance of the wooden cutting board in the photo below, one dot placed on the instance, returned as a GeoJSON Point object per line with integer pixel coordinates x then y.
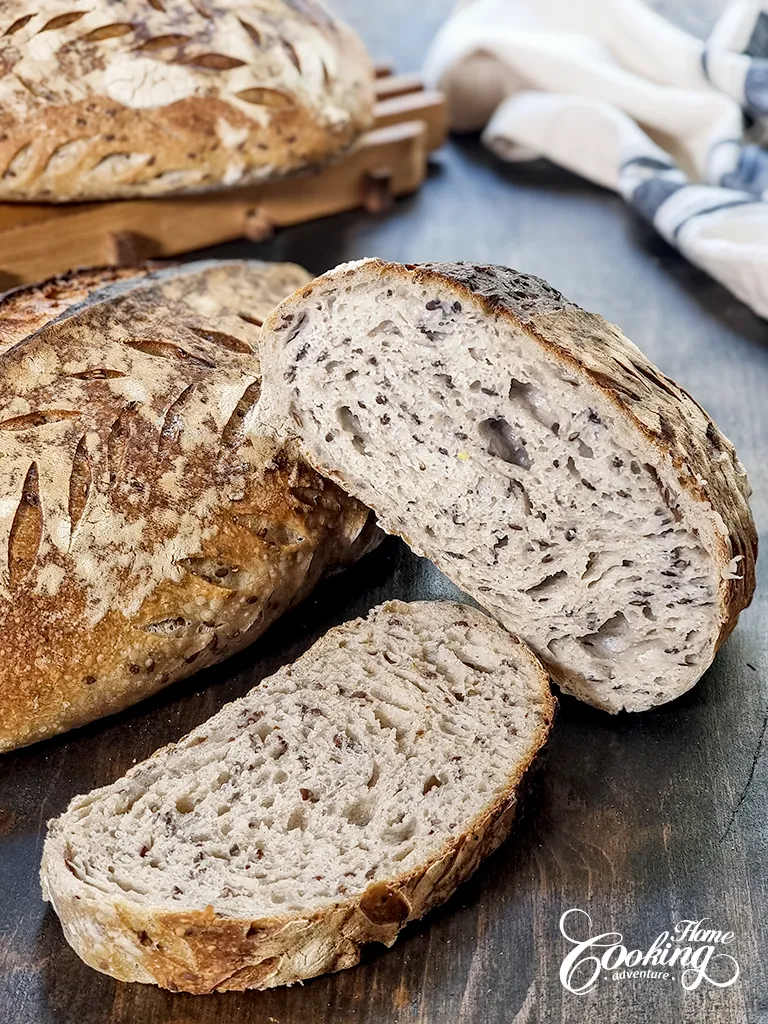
{"type": "Point", "coordinates": [38, 241]}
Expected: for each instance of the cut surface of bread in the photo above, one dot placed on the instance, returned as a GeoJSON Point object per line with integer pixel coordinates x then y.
{"type": "Point", "coordinates": [534, 454]}
{"type": "Point", "coordinates": [344, 796]}
{"type": "Point", "coordinates": [148, 527]}
{"type": "Point", "coordinates": [105, 100]}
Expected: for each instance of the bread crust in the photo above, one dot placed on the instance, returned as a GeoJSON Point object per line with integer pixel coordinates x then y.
{"type": "Point", "coordinates": [28, 308]}
{"type": "Point", "coordinates": [151, 99]}
{"type": "Point", "coordinates": [147, 527]}
{"type": "Point", "coordinates": [201, 952]}
{"type": "Point", "coordinates": [692, 458]}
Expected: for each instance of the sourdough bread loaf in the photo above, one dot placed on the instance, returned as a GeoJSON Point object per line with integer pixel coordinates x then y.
{"type": "Point", "coordinates": [147, 526]}
{"type": "Point", "coordinates": [344, 796]}
{"type": "Point", "coordinates": [534, 454]}
{"type": "Point", "coordinates": [103, 100]}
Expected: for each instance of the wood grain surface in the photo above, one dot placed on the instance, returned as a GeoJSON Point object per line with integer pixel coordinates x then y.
{"type": "Point", "coordinates": [640, 821]}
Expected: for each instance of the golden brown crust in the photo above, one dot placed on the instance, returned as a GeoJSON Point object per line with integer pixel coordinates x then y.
{"type": "Point", "coordinates": [147, 529]}
{"type": "Point", "coordinates": [161, 98]}
{"type": "Point", "coordinates": [26, 309]}
{"type": "Point", "coordinates": [201, 952]}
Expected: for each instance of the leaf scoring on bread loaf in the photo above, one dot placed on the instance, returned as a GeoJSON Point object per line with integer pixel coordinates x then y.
{"type": "Point", "coordinates": [233, 431]}
{"type": "Point", "coordinates": [227, 341]}
{"type": "Point", "coordinates": [39, 418]}
{"type": "Point", "coordinates": [18, 24]}
{"type": "Point", "coordinates": [253, 32]}
{"type": "Point", "coordinates": [167, 350]}
{"type": "Point", "coordinates": [161, 42]}
{"type": "Point", "coordinates": [173, 421]}
{"type": "Point", "coordinates": [99, 373]}
{"type": "Point", "coordinates": [26, 529]}
{"type": "Point", "coordinates": [266, 97]}
{"type": "Point", "coordinates": [118, 28]}
{"type": "Point", "coordinates": [80, 481]}
{"type": "Point", "coordinates": [62, 21]}
{"type": "Point", "coordinates": [293, 56]}
{"type": "Point", "coordinates": [214, 61]}
{"type": "Point", "coordinates": [20, 161]}
{"type": "Point", "coordinates": [118, 442]}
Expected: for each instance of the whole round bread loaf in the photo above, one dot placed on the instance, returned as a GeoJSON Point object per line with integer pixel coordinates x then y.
{"type": "Point", "coordinates": [534, 454]}
{"type": "Point", "coordinates": [104, 100]}
{"type": "Point", "coordinates": [343, 797]}
{"type": "Point", "coordinates": [148, 528]}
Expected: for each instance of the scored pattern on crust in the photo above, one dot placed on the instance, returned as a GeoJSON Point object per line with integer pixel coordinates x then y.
{"type": "Point", "coordinates": [137, 507]}
{"type": "Point", "coordinates": [157, 97]}
{"type": "Point", "coordinates": [79, 428]}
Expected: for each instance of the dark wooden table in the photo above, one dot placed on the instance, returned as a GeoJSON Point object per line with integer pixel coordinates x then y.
{"type": "Point", "coordinates": [639, 820]}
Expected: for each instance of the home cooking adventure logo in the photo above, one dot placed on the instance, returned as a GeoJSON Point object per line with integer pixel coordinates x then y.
{"type": "Point", "coordinates": [691, 953]}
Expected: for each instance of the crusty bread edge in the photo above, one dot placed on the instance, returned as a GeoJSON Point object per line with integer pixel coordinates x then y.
{"type": "Point", "coordinates": [540, 316]}
{"type": "Point", "coordinates": [199, 952]}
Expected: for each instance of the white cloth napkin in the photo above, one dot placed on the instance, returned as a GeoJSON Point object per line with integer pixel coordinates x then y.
{"type": "Point", "coordinates": [615, 93]}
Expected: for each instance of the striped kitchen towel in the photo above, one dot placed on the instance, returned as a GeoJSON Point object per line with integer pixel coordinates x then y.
{"type": "Point", "coordinates": [615, 93]}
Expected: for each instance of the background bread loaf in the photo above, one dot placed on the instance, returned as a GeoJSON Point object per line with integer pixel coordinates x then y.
{"type": "Point", "coordinates": [103, 100]}
{"type": "Point", "coordinates": [147, 528]}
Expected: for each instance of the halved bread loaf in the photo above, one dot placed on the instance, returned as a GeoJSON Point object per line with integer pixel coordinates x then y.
{"type": "Point", "coordinates": [344, 796]}
{"type": "Point", "coordinates": [534, 454]}
{"type": "Point", "coordinates": [148, 527]}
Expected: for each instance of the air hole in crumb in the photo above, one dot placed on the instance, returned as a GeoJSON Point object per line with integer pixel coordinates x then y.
{"type": "Point", "coordinates": [351, 424]}
{"type": "Point", "coordinates": [547, 584]}
{"type": "Point", "coordinates": [431, 783]}
{"type": "Point", "coordinates": [610, 637]}
{"type": "Point", "coordinates": [386, 722]}
{"type": "Point", "coordinates": [262, 730]}
{"type": "Point", "coordinates": [503, 443]}
{"type": "Point", "coordinates": [359, 813]}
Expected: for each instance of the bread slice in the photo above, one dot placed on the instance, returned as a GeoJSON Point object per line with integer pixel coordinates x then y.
{"type": "Point", "coordinates": [151, 97]}
{"type": "Point", "coordinates": [148, 526]}
{"type": "Point", "coordinates": [344, 796]}
{"type": "Point", "coordinates": [534, 454]}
